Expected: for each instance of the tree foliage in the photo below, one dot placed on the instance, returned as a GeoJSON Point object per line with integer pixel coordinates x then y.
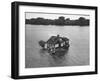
{"type": "Point", "coordinates": [42, 43]}
{"type": "Point", "coordinates": [60, 21]}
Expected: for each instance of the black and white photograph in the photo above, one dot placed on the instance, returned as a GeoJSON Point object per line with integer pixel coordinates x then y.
{"type": "Point", "coordinates": [55, 39]}
{"type": "Point", "coordinates": [50, 40]}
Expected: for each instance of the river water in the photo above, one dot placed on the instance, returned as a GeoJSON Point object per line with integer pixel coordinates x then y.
{"type": "Point", "coordinates": [77, 54]}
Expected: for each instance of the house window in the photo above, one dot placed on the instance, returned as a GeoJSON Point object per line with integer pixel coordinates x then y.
{"type": "Point", "coordinates": [56, 45]}
{"type": "Point", "coordinates": [62, 44]}
{"type": "Point", "coordinates": [45, 45]}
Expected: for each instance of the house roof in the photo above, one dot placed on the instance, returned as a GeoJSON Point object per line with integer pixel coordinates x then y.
{"type": "Point", "coordinates": [56, 39]}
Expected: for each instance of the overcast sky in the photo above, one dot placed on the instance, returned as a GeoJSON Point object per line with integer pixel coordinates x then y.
{"type": "Point", "coordinates": [29, 15]}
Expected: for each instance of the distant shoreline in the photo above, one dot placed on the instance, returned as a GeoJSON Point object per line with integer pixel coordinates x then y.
{"type": "Point", "coordinates": [57, 25]}
{"type": "Point", "coordinates": [61, 21]}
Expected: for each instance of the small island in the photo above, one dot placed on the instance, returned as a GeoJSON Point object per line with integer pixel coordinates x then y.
{"type": "Point", "coordinates": [62, 21]}
{"type": "Point", "coordinates": [55, 44]}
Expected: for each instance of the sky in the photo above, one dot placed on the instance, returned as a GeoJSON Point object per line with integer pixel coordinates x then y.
{"type": "Point", "coordinates": [29, 15]}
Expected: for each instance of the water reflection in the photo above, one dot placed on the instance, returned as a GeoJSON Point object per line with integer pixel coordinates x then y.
{"type": "Point", "coordinates": [43, 52]}
{"type": "Point", "coordinates": [55, 59]}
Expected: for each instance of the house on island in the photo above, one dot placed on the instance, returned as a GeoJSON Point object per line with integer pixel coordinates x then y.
{"type": "Point", "coordinates": [57, 42]}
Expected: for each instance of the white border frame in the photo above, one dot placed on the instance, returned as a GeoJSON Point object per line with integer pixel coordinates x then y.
{"type": "Point", "coordinates": [53, 70]}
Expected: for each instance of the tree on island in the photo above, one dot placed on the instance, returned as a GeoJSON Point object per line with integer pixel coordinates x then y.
{"type": "Point", "coordinates": [42, 43]}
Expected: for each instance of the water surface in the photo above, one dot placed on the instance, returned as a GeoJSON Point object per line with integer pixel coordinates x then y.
{"type": "Point", "coordinates": [77, 54]}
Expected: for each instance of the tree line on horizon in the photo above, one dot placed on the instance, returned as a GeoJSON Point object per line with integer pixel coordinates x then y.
{"type": "Point", "coordinates": [60, 21]}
